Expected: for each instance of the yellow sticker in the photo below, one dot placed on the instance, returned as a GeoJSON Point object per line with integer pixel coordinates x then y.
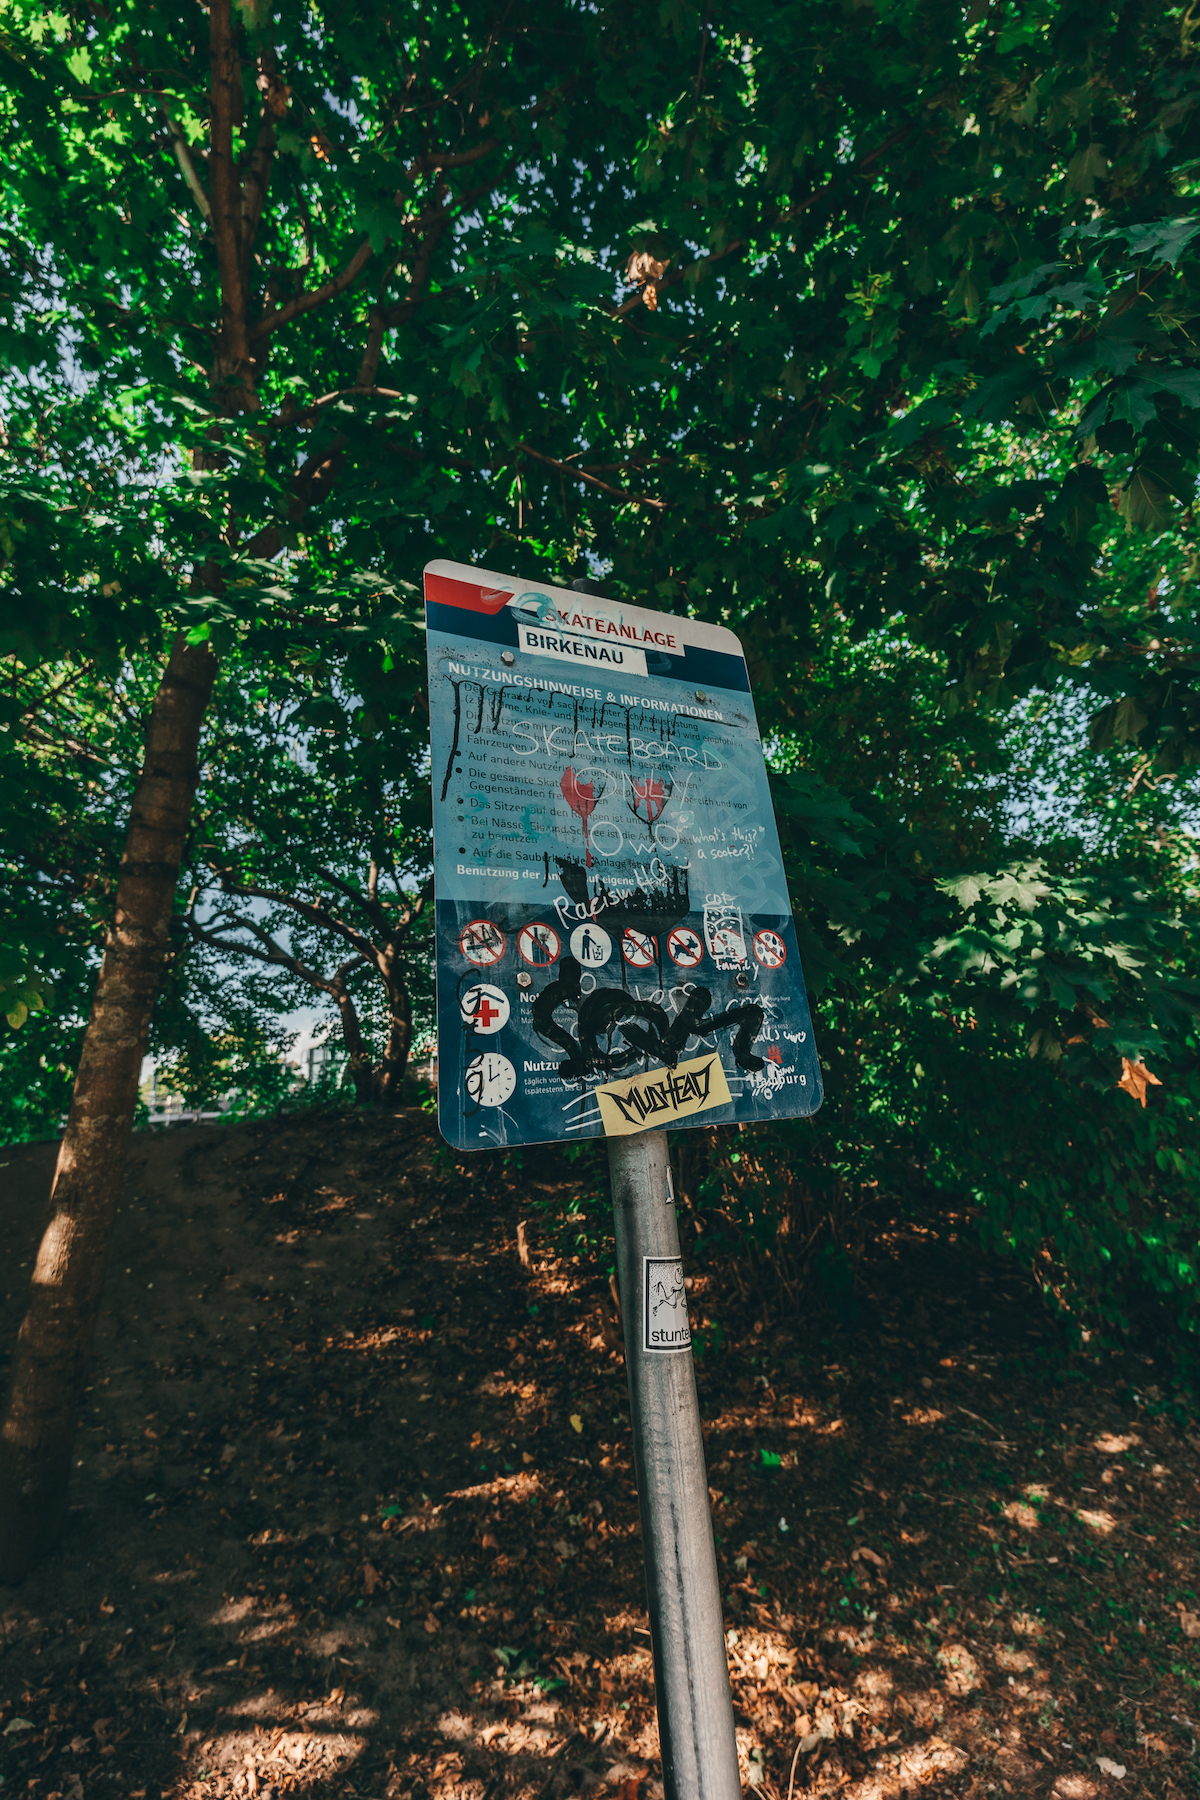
{"type": "Point", "coordinates": [660, 1097]}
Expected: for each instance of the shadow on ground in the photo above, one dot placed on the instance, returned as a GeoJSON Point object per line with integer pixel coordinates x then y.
{"type": "Point", "coordinates": [354, 1510]}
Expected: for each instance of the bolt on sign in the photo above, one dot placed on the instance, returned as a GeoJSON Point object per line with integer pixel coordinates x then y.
{"type": "Point", "coordinates": [615, 945]}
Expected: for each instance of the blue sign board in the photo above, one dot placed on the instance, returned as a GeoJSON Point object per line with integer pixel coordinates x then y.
{"type": "Point", "coordinates": [615, 946]}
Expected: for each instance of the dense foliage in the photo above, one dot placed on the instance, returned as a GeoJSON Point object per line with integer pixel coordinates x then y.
{"type": "Point", "coordinates": [867, 330]}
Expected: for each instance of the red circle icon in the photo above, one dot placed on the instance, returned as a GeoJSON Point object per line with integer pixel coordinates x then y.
{"type": "Point", "coordinates": [639, 949]}
{"type": "Point", "coordinates": [685, 947]}
{"type": "Point", "coordinates": [482, 943]}
{"type": "Point", "coordinates": [770, 949]}
{"type": "Point", "coordinates": [540, 945]}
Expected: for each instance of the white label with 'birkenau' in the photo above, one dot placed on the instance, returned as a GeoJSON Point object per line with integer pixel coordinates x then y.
{"type": "Point", "coordinates": [599, 655]}
{"type": "Point", "coordinates": [664, 1305]}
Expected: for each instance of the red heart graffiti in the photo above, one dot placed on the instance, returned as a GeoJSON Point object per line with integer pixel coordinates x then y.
{"type": "Point", "coordinates": [581, 797]}
{"type": "Point", "coordinates": [650, 797]}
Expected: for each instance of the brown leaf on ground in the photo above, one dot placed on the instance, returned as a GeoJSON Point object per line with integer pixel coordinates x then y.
{"type": "Point", "coordinates": [960, 1670]}
{"type": "Point", "coordinates": [371, 1578]}
{"type": "Point", "coordinates": [1136, 1078]}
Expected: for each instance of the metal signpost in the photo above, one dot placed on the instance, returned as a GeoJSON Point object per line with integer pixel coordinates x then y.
{"type": "Point", "coordinates": [616, 954]}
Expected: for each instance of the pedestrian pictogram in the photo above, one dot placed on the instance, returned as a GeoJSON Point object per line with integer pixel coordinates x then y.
{"type": "Point", "coordinates": [684, 947]}
{"type": "Point", "coordinates": [639, 949]}
{"type": "Point", "coordinates": [540, 945]}
{"type": "Point", "coordinates": [591, 946]}
{"type": "Point", "coordinates": [485, 1009]}
{"type": "Point", "coordinates": [770, 949]}
{"type": "Point", "coordinates": [482, 943]}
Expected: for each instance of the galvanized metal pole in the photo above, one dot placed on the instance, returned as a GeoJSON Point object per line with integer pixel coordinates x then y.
{"type": "Point", "coordinates": [691, 1675]}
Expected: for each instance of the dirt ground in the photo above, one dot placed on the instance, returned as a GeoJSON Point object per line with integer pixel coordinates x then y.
{"type": "Point", "coordinates": [354, 1509]}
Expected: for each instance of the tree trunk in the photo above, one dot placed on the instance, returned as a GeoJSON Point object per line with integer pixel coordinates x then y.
{"type": "Point", "coordinates": [356, 1047]}
{"type": "Point", "coordinates": [37, 1435]}
{"type": "Point", "coordinates": [389, 1076]}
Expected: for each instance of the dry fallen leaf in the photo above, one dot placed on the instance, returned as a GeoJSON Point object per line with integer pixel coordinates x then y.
{"type": "Point", "coordinates": [433, 1624]}
{"type": "Point", "coordinates": [959, 1668]}
{"type": "Point", "coordinates": [872, 1556]}
{"type": "Point", "coordinates": [576, 1422]}
{"type": "Point", "coordinates": [371, 1578]}
{"type": "Point", "coordinates": [1136, 1078]}
{"type": "Point", "coordinates": [1190, 1622]}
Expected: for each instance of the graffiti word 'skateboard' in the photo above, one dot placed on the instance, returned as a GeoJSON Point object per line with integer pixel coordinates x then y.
{"type": "Point", "coordinates": [615, 946]}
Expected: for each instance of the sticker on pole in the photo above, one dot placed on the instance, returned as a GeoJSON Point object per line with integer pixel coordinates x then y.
{"type": "Point", "coordinates": [664, 1305]}
{"type": "Point", "coordinates": [663, 1096]}
{"type": "Point", "coordinates": [615, 944]}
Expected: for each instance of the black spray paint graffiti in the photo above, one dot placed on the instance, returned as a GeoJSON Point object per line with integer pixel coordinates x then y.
{"type": "Point", "coordinates": [648, 1029]}
{"type": "Point", "coordinates": [650, 900]}
{"type": "Point", "coordinates": [480, 707]}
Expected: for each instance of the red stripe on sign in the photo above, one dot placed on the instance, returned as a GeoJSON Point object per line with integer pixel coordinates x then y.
{"type": "Point", "coordinates": [444, 590]}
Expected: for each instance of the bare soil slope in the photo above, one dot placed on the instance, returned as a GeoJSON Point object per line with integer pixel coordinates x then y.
{"type": "Point", "coordinates": [354, 1510]}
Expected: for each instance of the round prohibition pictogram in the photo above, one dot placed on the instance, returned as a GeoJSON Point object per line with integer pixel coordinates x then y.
{"type": "Point", "coordinates": [770, 949]}
{"type": "Point", "coordinates": [684, 947]}
{"type": "Point", "coordinates": [540, 945]}
{"type": "Point", "coordinates": [482, 943]}
{"type": "Point", "coordinates": [639, 949]}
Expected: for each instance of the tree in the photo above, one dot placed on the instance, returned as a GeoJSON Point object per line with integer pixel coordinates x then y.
{"type": "Point", "coordinates": [235, 220]}
{"type": "Point", "coordinates": [314, 810]}
{"type": "Point", "coordinates": [703, 298]}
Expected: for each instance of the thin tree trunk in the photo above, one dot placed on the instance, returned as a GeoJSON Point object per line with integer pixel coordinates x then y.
{"type": "Point", "coordinates": [389, 1077]}
{"type": "Point", "coordinates": [38, 1431]}
{"type": "Point", "coordinates": [356, 1047]}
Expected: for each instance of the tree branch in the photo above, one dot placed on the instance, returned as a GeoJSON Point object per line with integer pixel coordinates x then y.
{"type": "Point", "coordinates": [183, 156]}
{"type": "Point", "coordinates": [593, 480]}
{"type": "Point", "coordinates": [233, 361]}
{"type": "Point", "coordinates": [275, 955]}
{"type": "Point", "coordinates": [315, 915]}
{"type": "Point", "coordinates": [275, 100]}
{"type": "Point", "coordinates": [303, 303]}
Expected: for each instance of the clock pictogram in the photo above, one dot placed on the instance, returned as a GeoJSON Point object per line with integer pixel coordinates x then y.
{"type": "Point", "coordinates": [489, 1079]}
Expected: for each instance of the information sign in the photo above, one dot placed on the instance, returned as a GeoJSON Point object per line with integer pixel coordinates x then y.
{"type": "Point", "coordinates": [615, 945]}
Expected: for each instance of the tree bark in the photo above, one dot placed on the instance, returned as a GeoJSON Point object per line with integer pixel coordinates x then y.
{"type": "Point", "coordinates": [37, 1435]}
{"type": "Point", "coordinates": [361, 1072]}
{"type": "Point", "coordinates": [389, 1077]}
